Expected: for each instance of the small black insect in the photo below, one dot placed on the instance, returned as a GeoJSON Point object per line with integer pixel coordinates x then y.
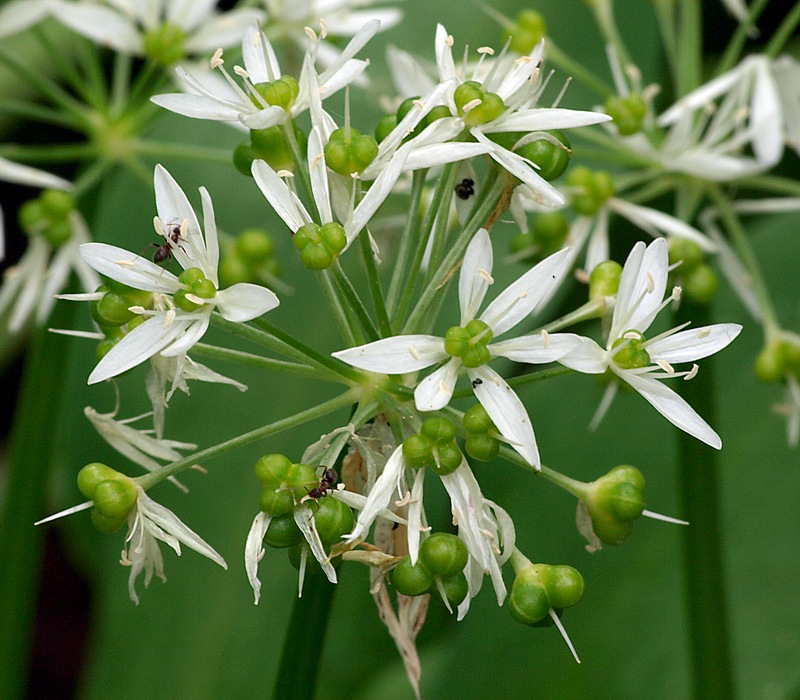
{"type": "Point", "coordinates": [477, 382]}
{"type": "Point", "coordinates": [163, 252]}
{"type": "Point", "coordinates": [466, 188]}
{"type": "Point", "coordinates": [329, 478]}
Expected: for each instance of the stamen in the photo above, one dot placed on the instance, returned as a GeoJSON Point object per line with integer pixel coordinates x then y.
{"type": "Point", "coordinates": [522, 60]}
{"type": "Point", "coordinates": [449, 41]}
{"type": "Point", "coordinates": [486, 50]}
{"type": "Point", "coordinates": [666, 366]}
{"type": "Point", "coordinates": [425, 529]}
{"type": "Point", "coordinates": [545, 338]}
{"type": "Point", "coordinates": [323, 29]}
{"type": "Point", "coordinates": [445, 389]}
{"type": "Point", "coordinates": [704, 333]}
{"type": "Point", "coordinates": [489, 535]}
{"type": "Point", "coordinates": [676, 293]}
{"type": "Point", "coordinates": [651, 284]}
{"type": "Point", "coordinates": [456, 516]}
{"type": "Point", "coordinates": [664, 518]}
{"type": "Point", "coordinates": [125, 263]}
{"type": "Point", "coordinates": [169, 317]}
{"type": "Point", "coordinates": [564, 634]}
{"type": "Point", "coordinates": [632, 335]}
{"type": "Point", "coordinates": [483, 273]}
{"type": "Point", "coordinates": [216, 60]}
{"type": "Point", "coordinates": [420, 104]}
{"type": "Point", "coordinates": [692, 373]}
{"type": "Point", "coordinates": [196, 299]}
{"type": "Point", "coordinates": [315, 162]}
{"type": "Point", "coordinates": [285, 173]}
{"type": "Point", "coordinates": [241, 72]}
{"type": "Point", "coordinates": [472, 104]}
{"type": "Point", "coordinates": [311, 34]}
{"type": "Point", "coordinates": [414, 352]}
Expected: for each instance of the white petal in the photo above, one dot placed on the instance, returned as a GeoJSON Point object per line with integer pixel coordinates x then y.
{"type": "Point", "coordinates": [26, 175]}
{"type": "Point", "coordinates": [141, 343]}
{"type": "Point", "coordinates": [439, 154]}
{"type": "Point", "coordinates": [653, 221]}
{"type": "Point", "coordinates": [701, 96]}
{"type": "Point", "coordinates": [434, 392]}
{"type": "Point", "coordinates": [173, 209]}
{"type": "Point", "coordinates": [210, 263]}
{"type": "Point", "coordinates": [196, 107]}
{"type": "Point", "coordinates": [102, 25]}
{"type": "Point", "coordinates": [536, 349]}
{"type": "Point", "coordinates": [305, 521]}
{"type": "Point", "coordinates": [380, 497]}
{"type": "Point", "coordinates": [318, 171]}
{"type": "Point", "coordinates": [543, 120]}
{"type": "Point", "coordinates": [253, 550]}
{"type": "Point", "coordinates": [522, 297]}
{"type": "Point", "coordinates": [222, 31]}
{"type": "Point", "coordinates": [694, 344]}
{"type": "Point", "coordinates": [263, 118]}
{"type": "Point", "coordinates": [123, 266]}
{"type": "Point", "coordinates": [444, 54]}
{"type": "Point", "coordinates": [641, 288]}
{"type": "Point", "coordinates": [282, 199]}
{"type": "Point", "coordinates": [259, 57]}
{"type": "Point", "coordinates": [18, 16]}
{"type": "Point", "coordinates": [507, 412]}
{"type": "Point", "coordinates": [415, 516]}
{"type": "Point", "coordinates": [476, 275]}
{"type": "Point", "coordinates": [194, 331]}
{"type": "Point", "coordinates": [588, 357]}
{"type": "Point", "coordinates": [672, 407]}
{"type": "Point", "coordinates": [395, 355]}
{"type": "Point", "coordinates": [244, 301]}
{"type": "Point", "coordinates": [766, 117]}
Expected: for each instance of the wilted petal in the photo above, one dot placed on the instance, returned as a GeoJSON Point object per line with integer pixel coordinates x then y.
{"type": "Point", "coordinates": [253, 551]}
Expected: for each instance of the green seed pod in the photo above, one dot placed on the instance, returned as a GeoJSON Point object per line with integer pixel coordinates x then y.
{"type": "Point", "coordinates": [700, 284]}
{"type": "Point", "coordinates": [385, 127]}
{"type": "Point", "coordinates": [112, 310]}
{"type": "Point", "coordinates": [564, 586]}
{"type": "Point", "coordinates": [616, 500]}
{"type": "Point", "coordinates": [437, 113]}
{"type": "Point", "coordinates": [449, 459]}
{"type": "Point", "coordinates": [591, 190]}
{"type": "Point", "coordinates": [483, 447]}
{"type": "Point", "coordinates": [58, 233]}
{"type": "Point", "coordinates": [770, 364]}
{"type": "Point", "coordinates": [476, 355]}
{"type": "Point", "coordinates": [443, 554]}
{"type": "Point", "coordinates": [91, 475]}
{"type": "Point", "coordinates": [307, 234]}
{"type": "Point", "coordinates": [316, 257]}
{"type": "Point", "coordinates": [270, 145]}
{"type": "Point", "coordinates": [333, 520]}
{"type": "Point", "coordinates": [115, 497]}
{"type": "Point", "coordinates": [525, 242]}
{"type": "Point", "coordinates": [333, 237]}
{"type": "Point", "coordinates": [550, 229]}
{"type": "Point", "coordinates": [610, 530]}
{"type": "Point", "coordinates": [551, 160]}
{"type": "Point", "coordinates": [243, 156]}
{"type": "Point", "coordinates": [477, 420]}
{"type": "Point", "coordinates": [191, 276]}
{"type": "Point", "coordinates": [456, 589]}
{"type": "Point", "coordinates": [184, 304]}
{"type": "Point", "coordinates": [627, 112]}
{"type": "Point", "coordinates": [57, 204]}
{"type": "Point", "coordinates": [233, 270]}
{"type": "Point", "coordinates": [104, 347]}
{"type": "Point", "coordinates": [205, 289]}
{"type": "Point", "coordinates": [278, 93]}
{"type": "Point", "coordinates": [276, 501]}
{"type": "Point", "coordinates": [480, 330]}
{"type": "Point", "coordinates": [528, 602]}
{"type": "Point", "coordinates": [165, 45]}
{"type": "Point", "coordinates": [32, 217]}
{"type": "Point", "coordinates": [273, 470]}
{"type": "Point", "coordinates": [439, 430]}
{"type": "Point", "coordinates": [283, 532]}
{"type": "Point", "coordinates": [106, 524]}
{"type": "Point", "coordinates": [411, 580]}
{"type": "Point", "coordinates": [134, 322]}
{"type": "Point", "coordinates": [527, 30]}
{"type": "Point", "coordinates": [604, 280]}
{"type": "Point", "coordinates": [418, 451]}
{"type": "Point", "coordinates": [254, 246]}
{"type": "Point", "coordinates": [490, 108]}
{"type": "Point", "coordinates": [688, 253]}
{"type": "Point", "coordinates": [456, 341]}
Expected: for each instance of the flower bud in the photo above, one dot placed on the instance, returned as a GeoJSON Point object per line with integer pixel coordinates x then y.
{"type": "Point", "coordinates": [411, 580]}
{"type": "Point", "coordinates": [627, 112]}
{"type": "Point", "coordinates": [283, 532]}
{"type": "Point", "coordinates": [604, 280]}
{"type": "Point", "coordinates": [526, 31]}
{"type": "Point", "coordinates": [443, 554]}
{"type": "Point", "coordinates": [439, 430]}
{"type": "Point", "coordinates": [551, 159]}
{"type": "Point", "coordinates": [700, 284]}
{"type": "Point", "coordinates": [614, 502]}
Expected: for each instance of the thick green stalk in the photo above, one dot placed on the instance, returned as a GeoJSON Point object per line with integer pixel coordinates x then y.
{"type": "Point", "coordinates": [734, 49]}
{"type": "Point", "coordinates": [353, 301]}
{"type": "Point", "coordinates": [704, 571]}
{"type": "Point", "coordinates": [345, 318]}
{"type": "Point", "coordinates": [690, 53]}
{"type": "Point", "coordinates": [374, 281]}
{"type": "Point", "coordinates": [29, 469]}
{"type": "Point", "coordinates": [409, 242]}
{"type": "Point", "coordinates": [305, 637]}
{"type": "Point", "coordinates": [784, 32]}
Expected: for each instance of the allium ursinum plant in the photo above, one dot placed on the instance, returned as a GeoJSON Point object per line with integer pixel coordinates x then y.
{"type": "Point", "coordinates": [425, 365]}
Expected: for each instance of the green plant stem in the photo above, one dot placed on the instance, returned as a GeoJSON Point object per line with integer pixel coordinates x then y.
{"type": "Point", "coordinates": [690, 48]}
{"type": "Point", "coordinates": [29, 473]}
{"type": "Point", "coordinates": [774, 184]}
{"type": "Point", "coordinates": [577, 71]}
{"type": "Point", "coordinates": [374, 281]}
{"type": "Point", "coordinates": [702, 540]}
{"type": "Point", "coordinates": [39, 113]}
{"type": "Point", "coordinates": [734, 49]}
{"type": "Point", "coordinates": [346, 399]}
{"type": "Point", "coordinates": [784, 32]}
{"type": "Point", "coordinates": [301, 169]}
{"type": "Point", "coordinates": [120, 82]}
{"type": "Point", "coordinates": [440, 226]}
{"type": "Point", "coordinates": [50, 153]}
{"type": "Point", "coordinates": [353, 301]}
{"type": "Point", "coordinates": [665, 11]}
{"type": "Point", "coordinates": [249, 360]}
{"type": "Point", "coordinates": [409, 242]}
{"type": "Point", "coordinates": [348, 326]}
{"type": "Point", "coordinates": [305, 635]}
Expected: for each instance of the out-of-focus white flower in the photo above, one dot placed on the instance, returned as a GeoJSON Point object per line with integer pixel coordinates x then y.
{"type": "Point", "coordinates": [410, 353]}
{"type": "Point", "coordinates": [165, 30]}
{"type": "Point", "coordinates": [640, 361]}
{"type": "Point", "coordinates": [790, 410]}
{"type": "Point", "coordinates": [21, 14]}
{"type": "Point", "coordinates": [169, 330]}
{"type": "Point", "coordinates": [230, 102]}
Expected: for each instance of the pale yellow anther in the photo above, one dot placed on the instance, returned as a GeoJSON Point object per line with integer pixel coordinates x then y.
{"type": "Point", "coordinates": [414, 352]}
{"type": "Point", "coordinates": [169, 317]}
{"type": "Point", "coordinates": [450, 41]}
{"type": "Point", "coordinates": [419, 104]}
{"type": "Point", "coordinates": [651, 284]}
{"type": "Point", "coordinates": [425, 529]}
{"type": "Point", "coordinates": [317, 160]}
{"type": "Point", "coordinates": [456, 516]}
{"type": "Point", "coordinates": [138, 310]}
{"type": "Point", "coordinates": [666, 366]}
{"type": "Point", "coordinates": [216, 60]}
{"type": "Point", "coordinates": [704, 333]}
{"type": "Point", "coordinates": [631, 335]}
{"type": "Point", "coordinates": [323, 29]}
{"type": "Point", "coordinates": [445, 389]}
{"type": "Point", "coordinates": [676, 293]}
{"type": "Point", "coordinates": [241, 72]}
{"type": "Point", "coordinates": [522, 294]}
{"type": "Point", "coordinates": [692, 373]}
{"type": "Point", "coordinates": [472, 104]}
{"type": "Point", "coordinates": [311, 34]}
{"type": "Point", "coordinates": [523, 59]}
{"type": "Point", "coordinates": [125, 263]}
{"type": "Point", "coordinates": [158, 226]}
{"type": "Point", "coordinates": [196, 299]}
{"type": "Point", "coordinates": [285, 173]}
{"type": "Point", "coordinates": [483, 273]}
{"type": "Point", "coordinates": [489, 535]}
{"type": "Point", "coordinates": [495, 549]}
{"type": "Point", "coordinates": [546, 338]}
{"type": "Point", "coordinates": [582, 276]}
{"type": "Point", "coordinates": [488, 50]}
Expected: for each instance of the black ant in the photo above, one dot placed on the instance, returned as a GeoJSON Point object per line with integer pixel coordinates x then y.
{"type": "Point", "coordinates": [476, 382]}
{"type": "Point", "coordinates": [466, 188]}
{"type": "Point", "coordinates": [328, 480]}
{"type": "Point", "coordinates": [164, 251]}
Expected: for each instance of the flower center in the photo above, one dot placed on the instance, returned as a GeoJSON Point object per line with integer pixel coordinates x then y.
{"type": "Point", "coordinates": [632, 353]}
{"type": "Point", "coordinates": [278, 93]}
{"type": "Point", "coordinates": [165, 45]}
{"type": "Point", "coordinates": [469, 343]}
{"type": "Point", "coordinates": [477, 105]}
{"type": "Point", "coordinates": [195, 284]}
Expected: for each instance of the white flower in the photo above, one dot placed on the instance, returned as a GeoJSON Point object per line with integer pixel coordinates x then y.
{"type": "Point", "coordinates": [410, 353]}
{"type": "Point", "coordinates": [169, 330]}
{"type": "Point", "coordinates": [790, 410]}
{"type": "Point", "coordinates": [21, 14]}
{"type": "Point", "coordinates": [149, 522]}
{"type": "Point", "coordinates": [641, 362]}
{"type": "Point", "coordinates": [232, 103]}
{"type": "Point", "coordinates": [750, 89]}
{"type": "Point", "coordinates": [287, 205]}
{"type": "Point", "coordinates": [128, 25]}
{"type": "Point", "coordinates": [513, 80]}
{"type": "Point", "coordinates": [31, 285]}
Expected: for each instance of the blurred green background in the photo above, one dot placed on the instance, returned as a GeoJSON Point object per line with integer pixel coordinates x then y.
{"type": "Point", "coordinates": [199, 635]}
